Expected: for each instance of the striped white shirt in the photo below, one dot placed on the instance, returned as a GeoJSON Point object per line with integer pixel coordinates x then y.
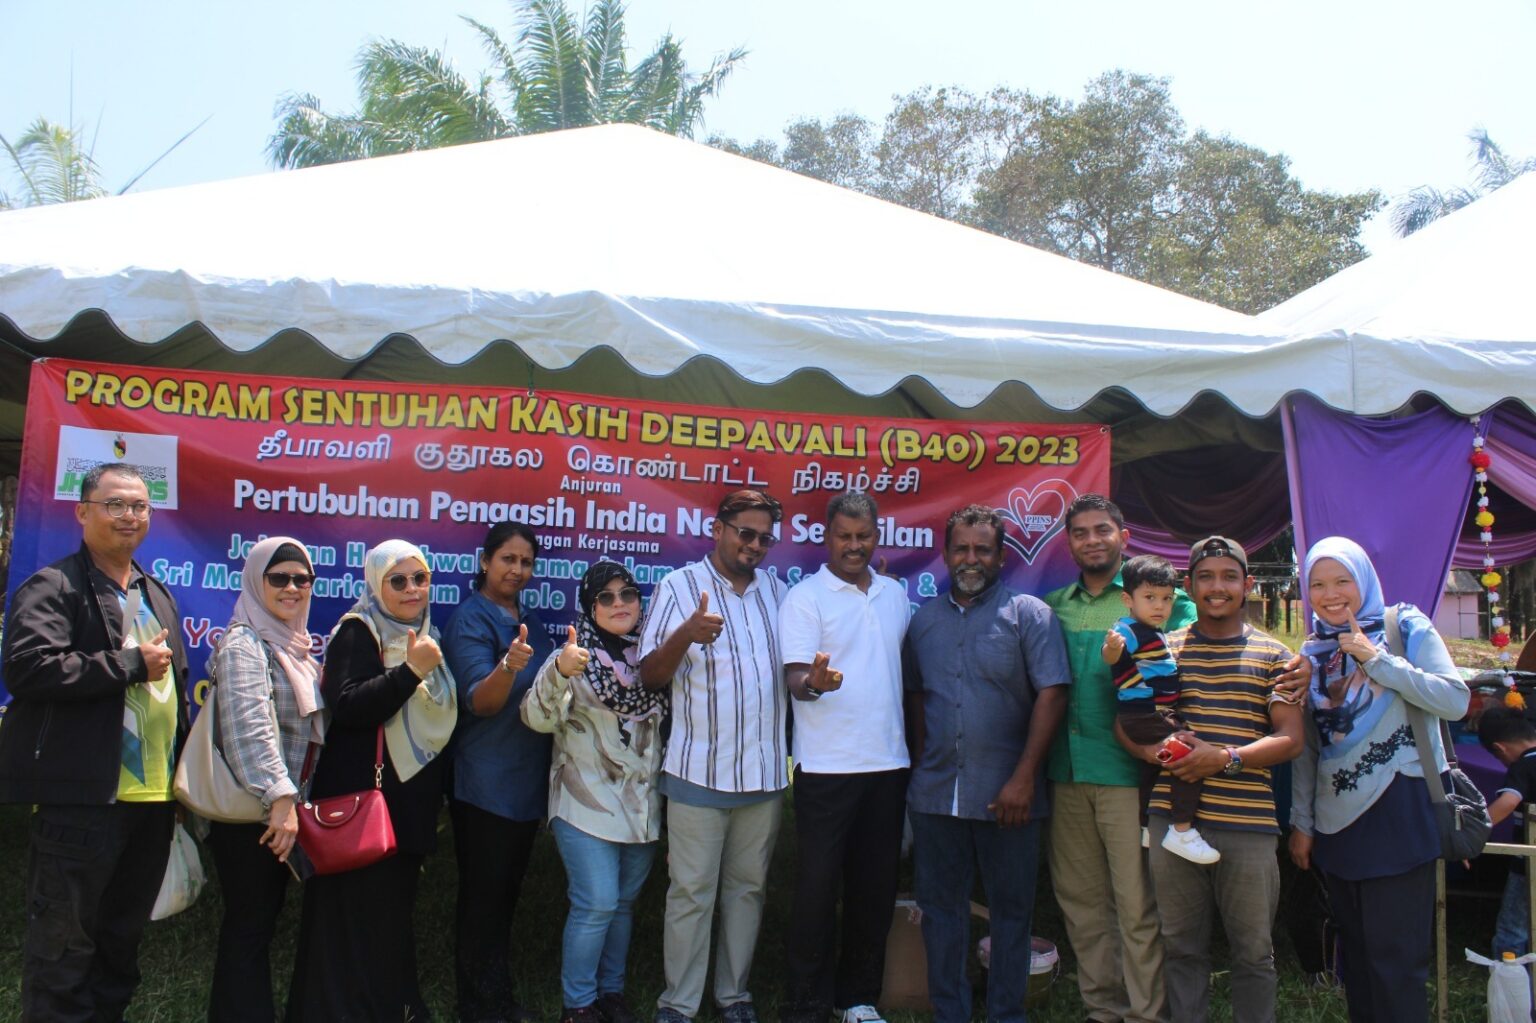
{"type": "Point", "coordinates": [728, 697]}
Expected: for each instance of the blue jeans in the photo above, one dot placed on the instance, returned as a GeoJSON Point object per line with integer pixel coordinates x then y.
{"type": "Point", "coordinates": [1512, 932]}
{"type": "Point", "coordinates": [946, 851]}
{"type": "Point", "coordinates": [604, 880]}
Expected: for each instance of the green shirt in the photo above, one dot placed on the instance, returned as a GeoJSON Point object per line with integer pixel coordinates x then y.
{"type": "Point", "coordinates": [149, 722]}
{"type": "Point", "coordinates": [1085, 749]}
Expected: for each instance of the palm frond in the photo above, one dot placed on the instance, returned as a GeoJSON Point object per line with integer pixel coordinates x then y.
{"type": "Point", "coordinates": [151, 166]}
{"type": "Point", "coordinates": [53, 166]}
{"type": "Point", "coordinates": [606, 76]}
{"type": "Point", "coordinates": [502, 58]}
{"type": "Point", "coordinates": [420, 101]}
{"type": "Point", "coordinates": [1424, 205]}
{"type": "Point", "coordinates": [307, 136]}
{"type": "Point", "coordinates": [553, 94]}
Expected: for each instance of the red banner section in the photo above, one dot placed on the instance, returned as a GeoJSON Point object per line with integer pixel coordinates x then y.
{"type": "Point", "coordinates": [343, 465]}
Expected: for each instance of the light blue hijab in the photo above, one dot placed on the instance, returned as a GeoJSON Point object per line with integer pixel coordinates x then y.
{"type": "Point", "coordinates": [1343, 699]}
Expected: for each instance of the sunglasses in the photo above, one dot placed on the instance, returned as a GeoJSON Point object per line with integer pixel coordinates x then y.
{"type": "Point", "coordinates": [398, 583]}
{"type": "Point", "coordinates": [283, 580]}
{"type": "Point", "coordinates": [608, 598]}
{"type": "Point", "coordinates": [751, 536]}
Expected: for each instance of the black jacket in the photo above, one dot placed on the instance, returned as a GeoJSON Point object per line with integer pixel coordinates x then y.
{"type": "Point", "coordinates": [61, 738]}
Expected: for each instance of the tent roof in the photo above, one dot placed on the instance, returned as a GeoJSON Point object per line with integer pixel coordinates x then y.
{"type": "Point", "coordinates": [662, 250]}
{"type": "Point", "coordinates": [1448, 310]}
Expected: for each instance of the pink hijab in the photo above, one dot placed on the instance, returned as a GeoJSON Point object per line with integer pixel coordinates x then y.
{"type": "Point", "coordinates": [288, 641]}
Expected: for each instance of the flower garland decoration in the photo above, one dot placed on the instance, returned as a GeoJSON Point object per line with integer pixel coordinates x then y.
{"type": "Point", "coordinates": [1498, 633]}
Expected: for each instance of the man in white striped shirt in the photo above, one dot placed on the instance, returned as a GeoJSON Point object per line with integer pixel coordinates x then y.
{"type": "Point", "coordinates": [712, 636]}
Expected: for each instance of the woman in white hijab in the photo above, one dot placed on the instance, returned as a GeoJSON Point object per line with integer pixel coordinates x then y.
{"type": "Point", "coordinates": [356, 958]}
{"type": "Point", "coordinates": [269, 711]}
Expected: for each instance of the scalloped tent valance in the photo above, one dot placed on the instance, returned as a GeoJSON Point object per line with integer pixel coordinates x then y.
{"type": "Point", "coordinates": [659, 249]}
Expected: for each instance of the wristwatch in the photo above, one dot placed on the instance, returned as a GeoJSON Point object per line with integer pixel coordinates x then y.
{"type": "Point", "coordinates": [1234, 762]}
{"type": "Point", "coordinates": [812, 691]}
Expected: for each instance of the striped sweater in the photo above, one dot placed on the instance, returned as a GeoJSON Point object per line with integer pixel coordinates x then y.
{"type": "Point", "coordinates": [1224, 696]}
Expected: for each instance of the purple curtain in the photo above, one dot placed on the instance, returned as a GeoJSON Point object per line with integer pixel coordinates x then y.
{"type": "Point", "coordinates": [1174, 499]}
{"type": "Point", "coordinates": [1511, 441]}
{"type": "Point", "coordinates": [1398, 487]}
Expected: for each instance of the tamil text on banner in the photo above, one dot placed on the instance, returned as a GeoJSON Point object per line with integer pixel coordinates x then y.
{"type": "Point", "coordinates": [344, 465]}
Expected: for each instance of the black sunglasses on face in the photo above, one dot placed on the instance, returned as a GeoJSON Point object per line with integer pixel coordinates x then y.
{"type": "Point", "coordinates": [750, 536]}
{"type": "Point", "coordinates": [608, 598]}
{"type": "Point", "coordinates": [418, 580]}
{"type": "Point", "coordinates": [282, 580]}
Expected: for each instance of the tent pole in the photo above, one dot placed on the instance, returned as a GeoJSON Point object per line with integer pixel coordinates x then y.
{"type": "Point", "coordinates": [1442, 990]}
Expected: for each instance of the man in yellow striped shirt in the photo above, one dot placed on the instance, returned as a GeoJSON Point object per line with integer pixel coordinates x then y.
{"type": "Point", "coordinates": [1240, 728]}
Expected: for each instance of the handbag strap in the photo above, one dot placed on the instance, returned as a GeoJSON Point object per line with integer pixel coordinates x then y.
{"type": "Point", "coordinates": [378, 760]}
{"type": "Point", "coordinates": [1418, 719]}
{"type": "Point", "coordinates": [312, 754]}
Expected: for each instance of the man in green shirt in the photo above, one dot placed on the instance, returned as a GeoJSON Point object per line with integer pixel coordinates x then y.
{"type": "Point", "coordinates": [1097, 866]}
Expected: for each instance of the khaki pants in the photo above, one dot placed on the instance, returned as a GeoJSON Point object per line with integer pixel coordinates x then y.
{"type": "Point", "coordinates": [712, 853]}
{"type": "Point", "coordinates": [1099, 872]}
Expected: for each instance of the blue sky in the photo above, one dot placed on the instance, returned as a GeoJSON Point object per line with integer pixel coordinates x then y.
{"type": "Point", "coordinates": [1358, 94]}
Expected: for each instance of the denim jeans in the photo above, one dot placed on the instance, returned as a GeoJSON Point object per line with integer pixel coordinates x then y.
{"type": "Point", "coordinates": [604, 880]}
{"type": "Point", "coordinates": [1512, 932]}
{"type": "Point", "coordinates": [947, 850]}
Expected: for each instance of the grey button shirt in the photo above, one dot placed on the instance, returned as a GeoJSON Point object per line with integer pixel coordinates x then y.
{"type": "Point", "coordinates": [978, 669]}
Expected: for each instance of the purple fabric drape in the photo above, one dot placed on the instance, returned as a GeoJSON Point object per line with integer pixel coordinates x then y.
{"type": "Point", "coordinates": [1511, 443]}
{"type": "Point", "coordinates": [1398, 487]}
{"type": "Point", "coordinates": [1174, 499]}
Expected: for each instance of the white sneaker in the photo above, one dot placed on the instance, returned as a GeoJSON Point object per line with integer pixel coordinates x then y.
{"type": "Point", "coordinates": [1190, 845]}
{"type": "Point", "coordinates": [862, 1014]}
{"type": "Point", "coordinates": [1146, 839]}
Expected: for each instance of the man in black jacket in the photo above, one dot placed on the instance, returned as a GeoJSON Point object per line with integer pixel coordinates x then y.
{"type": "Point", "coordinates": [96, 670]}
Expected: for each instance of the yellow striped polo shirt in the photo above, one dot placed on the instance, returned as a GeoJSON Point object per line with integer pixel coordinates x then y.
{"type": "Point", "coordinates": [1224, 692]}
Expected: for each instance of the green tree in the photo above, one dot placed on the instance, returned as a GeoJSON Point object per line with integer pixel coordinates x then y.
{"type": "Point", "coordinates": [1492, 170]}
{"type": "Point", "coordinates": [557, 74]}
{"type": "Point", "coordinates": [52, 165]}
{"type": "Point", "coordinates": [1114, 180]}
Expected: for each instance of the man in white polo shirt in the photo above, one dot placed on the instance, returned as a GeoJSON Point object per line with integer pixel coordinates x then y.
{"type": "Point", "coordinates": [841, 631]}
{"type": "Point", "coordinates": [711, 636]}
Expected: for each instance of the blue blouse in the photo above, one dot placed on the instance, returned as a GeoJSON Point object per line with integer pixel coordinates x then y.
{"type": "Point", "coordinates": [499, 764]}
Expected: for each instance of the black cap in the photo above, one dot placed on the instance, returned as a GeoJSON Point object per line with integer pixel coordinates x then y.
{"type": "Point", "coordinates": [1218, 547]}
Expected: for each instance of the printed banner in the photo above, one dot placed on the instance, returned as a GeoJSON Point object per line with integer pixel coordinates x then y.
{"type": "Point", "coordinates": [344, 465]}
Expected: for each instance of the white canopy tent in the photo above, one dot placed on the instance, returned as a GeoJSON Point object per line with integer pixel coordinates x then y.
{"type": "Point", "coordinates": [1447, 311]}
{"type": "Point", "coordinates": [660, 249]}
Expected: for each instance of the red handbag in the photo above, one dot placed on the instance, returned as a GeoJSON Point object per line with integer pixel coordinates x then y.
{"type": "Point", "coordinates": [341, 833]}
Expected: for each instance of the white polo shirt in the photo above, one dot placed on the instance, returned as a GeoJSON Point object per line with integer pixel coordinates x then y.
{"type": "Point", "coordinates": [858, 728]}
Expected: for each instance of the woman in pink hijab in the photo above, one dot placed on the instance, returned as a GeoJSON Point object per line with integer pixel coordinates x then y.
{"type": "Point", "coordinates": [269, 711]}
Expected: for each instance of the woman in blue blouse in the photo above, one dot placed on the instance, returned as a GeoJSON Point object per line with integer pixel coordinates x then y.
{"type": "Point", "coordinates": [1361, 811]}
{"type": "Point", "coordinates": [494, 647]}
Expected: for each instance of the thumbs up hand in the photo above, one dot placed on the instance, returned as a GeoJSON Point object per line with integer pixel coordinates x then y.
{"type": "Point", "coordinates": [157, 656]}
{"type": "Point", "coordinates": [1356, 643]}
{"type": "Point", "coordinates": [702, 626]}
{"type": "Point", "coordinates": [573, 659]}
{"type": "Point", "coordinates": [518, 654]}
{"type": "Point", "coordinates": [422, 653]}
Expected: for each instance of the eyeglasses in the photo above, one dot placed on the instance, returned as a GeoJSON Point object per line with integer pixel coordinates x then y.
{"type": "Point", "coordinates": [116, 507]}
{"type": "Point", "coordinates": [608, 598]}
{"type": "Point", "coordinates": [751, 536]}
{"type": "Point", "coordinates": [283, 580]}
{"type": "Point", "coordinates": [398, 583]}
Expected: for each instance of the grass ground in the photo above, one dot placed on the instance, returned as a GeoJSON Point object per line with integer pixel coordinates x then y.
{"type": "Point", "coordinates": [177, 956]}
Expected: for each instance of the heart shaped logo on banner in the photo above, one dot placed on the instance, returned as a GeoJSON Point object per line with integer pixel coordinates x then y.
{"type": "Point", "coordinates": [1039, 512]}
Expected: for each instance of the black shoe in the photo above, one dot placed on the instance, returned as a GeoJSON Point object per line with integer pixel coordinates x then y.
{"type": "Point", "coordinates": [612, 1009]}
{"type": "Point", "coordinates": [585, 1014]}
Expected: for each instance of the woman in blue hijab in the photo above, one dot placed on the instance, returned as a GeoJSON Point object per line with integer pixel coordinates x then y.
{"type": "Point", "coordinates": [1361, 810]}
